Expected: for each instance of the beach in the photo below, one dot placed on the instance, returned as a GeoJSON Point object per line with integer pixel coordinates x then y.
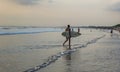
{"type": "Point", "coordinates": [93, 51]}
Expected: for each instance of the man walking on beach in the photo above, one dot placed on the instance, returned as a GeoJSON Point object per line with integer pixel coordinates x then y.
{"type": "Point", "coordinates": [111, 31]}
{"type": "Point", "coordinates": [68, 35]}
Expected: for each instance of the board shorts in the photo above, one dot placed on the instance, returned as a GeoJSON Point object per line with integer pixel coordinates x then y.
{"type": "Point", "coordinates": [67, 34]}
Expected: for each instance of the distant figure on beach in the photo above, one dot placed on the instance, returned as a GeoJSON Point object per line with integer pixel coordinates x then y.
{"type": "Point", "coordinates": [111, 31]}
{"type": "Point", "coordinates": [78, 30]}
{"type": "Point", "coordinates": [68, 36]}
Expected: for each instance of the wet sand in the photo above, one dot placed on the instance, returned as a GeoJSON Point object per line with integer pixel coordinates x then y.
{"type": "Point", "coordinates": [100, 52]}
{"type": "Point", "coordinates": [102, 56]}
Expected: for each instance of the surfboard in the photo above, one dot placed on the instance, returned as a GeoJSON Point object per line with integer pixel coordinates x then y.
{"type": "Point", "coordinates": [73, 34]}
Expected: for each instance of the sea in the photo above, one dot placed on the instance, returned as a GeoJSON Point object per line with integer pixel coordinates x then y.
{"type": "Point", "coordinates": [40, 49]}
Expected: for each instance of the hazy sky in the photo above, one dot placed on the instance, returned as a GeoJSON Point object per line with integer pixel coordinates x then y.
{"type": "Point", "coordinates": [59, 12]}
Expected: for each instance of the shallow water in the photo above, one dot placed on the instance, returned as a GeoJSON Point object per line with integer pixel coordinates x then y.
{"type": "Point", "coordinates": [95, 51]}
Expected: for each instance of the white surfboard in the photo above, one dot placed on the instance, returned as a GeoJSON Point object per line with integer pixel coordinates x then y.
{"type": "Point", "coordinates": [73, 34]}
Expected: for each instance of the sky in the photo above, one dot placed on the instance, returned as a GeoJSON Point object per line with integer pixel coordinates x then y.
{"type": "Point", "coordinates": [59, 12]}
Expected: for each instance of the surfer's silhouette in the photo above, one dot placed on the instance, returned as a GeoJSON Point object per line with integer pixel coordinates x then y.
{"type": "Point", "coordinates": [68, 36]}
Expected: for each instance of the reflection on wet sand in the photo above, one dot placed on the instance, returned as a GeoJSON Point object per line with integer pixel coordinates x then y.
{"type": "Point", "coordinates": [67, 56]}
{"type": "Point", "coordinates": [67, 59]}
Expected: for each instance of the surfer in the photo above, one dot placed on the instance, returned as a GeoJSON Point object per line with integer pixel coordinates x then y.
{"type": "Point", "coordinates": [68, 35]}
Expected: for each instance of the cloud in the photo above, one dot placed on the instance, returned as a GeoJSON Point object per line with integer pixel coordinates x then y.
{"type": "Point", "coordinates": [26, 2]}
{"type": "Point", "coordinates": [50, 1]}
{"type": "Point", "coordinates": [115, 7]}
{"type": "Point", "coordinates": [31, 2]}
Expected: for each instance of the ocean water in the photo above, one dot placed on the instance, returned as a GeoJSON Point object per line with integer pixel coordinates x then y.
{"type": "Point", "coordinates": [40, 50]}
{"type": "Point", "coordinates": [25, 30]}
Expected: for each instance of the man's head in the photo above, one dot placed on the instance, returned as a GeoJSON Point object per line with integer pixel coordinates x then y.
{"type": "Point", "coordinates": [68, 25]}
